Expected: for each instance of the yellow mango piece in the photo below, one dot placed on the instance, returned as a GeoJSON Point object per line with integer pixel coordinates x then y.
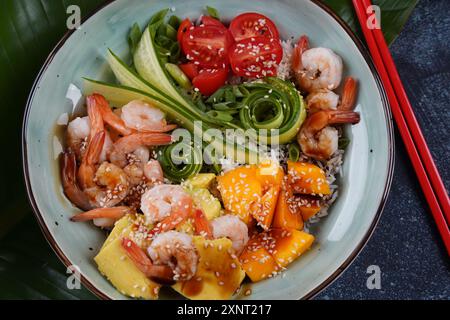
{"type": "Point", "coordinates": [310, 209]}
{"type": "Point", "coordinates": [286, 245]}
{"type": "Point", "coordinates": [219, 273]}
{"type": "Point", "coordinates": [287, 215]}
{"type": "Point", "coordinates": [307, 178]}
{"type": "Point", "coordinates": [120, 227]}
{"type": "Point", "coordinates": [204, 200]}
{"type": "Point", "coordinates": [241, 191]}
{"type": "Point", "coordinates": [114, 264]}
{"type": "Point", "coordinates": [201, 180]}
{"type": "Point", "coordinates": [257, 262]}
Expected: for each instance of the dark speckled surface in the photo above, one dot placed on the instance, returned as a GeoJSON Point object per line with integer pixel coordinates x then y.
{"type": "Point", "coordinates": [406, 244]}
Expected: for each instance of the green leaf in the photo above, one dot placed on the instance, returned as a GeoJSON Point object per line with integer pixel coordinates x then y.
{"type": "Point", "coordinates": [29, 29]}
{"type": "Point", "coordinates": [30, 270]}
{"type": "Point", "coordinates": [213, 12]}
{"type": "Point", "coordinates": [394, 14]}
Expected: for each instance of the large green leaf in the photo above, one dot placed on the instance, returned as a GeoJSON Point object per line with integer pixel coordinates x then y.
{"type": "Point", "coordinates": [394, 14]}
{"type": "Point", "coordinates": [29, 29]}
{"type": "Point", "coordinates": [29, 270]}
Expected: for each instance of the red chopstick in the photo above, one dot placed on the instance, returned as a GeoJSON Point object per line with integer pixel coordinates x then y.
{"type": "Point", "coordinates": [411, 120]}
{"type": "Point", "coordinates": [432, 186]}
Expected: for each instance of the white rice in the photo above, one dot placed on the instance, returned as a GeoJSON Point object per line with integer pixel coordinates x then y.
{"type": "Point", "coordinates": [285, 67]}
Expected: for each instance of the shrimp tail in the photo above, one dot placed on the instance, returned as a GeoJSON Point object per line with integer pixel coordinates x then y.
{"type": "Point", "coordinates": [343, 117]}
{"type": "Point", "coordinates": [302, 46]}
{"type": "Point", "coordinates": [95, 149]}
{"type": "Point", "coordinates": [169, 223]}
{"type": "Point", "coordinates": [163, 129]}
{"type": "Point", "coordinates": [69, 181]}
{"type": "Point", "coordinates": [201, 225]}
{"type": "Point", "coordinates": [115, 213]}
{"type": "Point", "coordinates": [159, 274]}
{"type": "Point", "coordinates": [108, 115]}
{"type": "Point", "coordinates": [95, 116]}
{"type": "Point", "coordinates": [349, 95]}
{"type": "Point", "coordinates": [155, 139]}
{"type": "Point", "coordinates": [86, 172]}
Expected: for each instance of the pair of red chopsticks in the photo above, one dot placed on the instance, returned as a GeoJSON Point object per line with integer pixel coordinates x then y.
{"type": "Point", "coordinates": [427, 173]}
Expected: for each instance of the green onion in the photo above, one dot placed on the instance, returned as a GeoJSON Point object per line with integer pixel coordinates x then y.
{"type": "Point", "coordinates": [294, 152]}
{"type": "Point", "coordinates": [179, 165]}
{"type": "Point", "coordinates": [178, 75]}
{"type": "Point", "coordinates": [221, 116]}
{"type": "Point", "coordinates": [213, 12]}
{"type": "Point", "coordinates": [343, 143]}
{"type": "Point", "coordinates": [134, 37]}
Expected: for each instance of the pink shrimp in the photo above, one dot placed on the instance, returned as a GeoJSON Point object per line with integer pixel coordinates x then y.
{"type": "Point", "coordinates": [86, 173]}
{"type": "Point", "coordinates": [317, 138]}
{"type": "Point", "coordinates": [70, 184]}
{"type": "Point", "coordinates": [143, 117]}
{"type": "Point", "coordinates": [349, 95]}
{"type": "Point", "coordinates": [103, 217]}
{"type": "Point", "coordinates": [126, 145]}
{"type": "Point", "coordinates": [161, 274]}
{"type": "Point", "coordinates": [108, 116]}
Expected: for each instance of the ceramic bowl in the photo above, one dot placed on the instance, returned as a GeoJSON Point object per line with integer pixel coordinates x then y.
{"type": "Point", "coordinates": [367, 170]}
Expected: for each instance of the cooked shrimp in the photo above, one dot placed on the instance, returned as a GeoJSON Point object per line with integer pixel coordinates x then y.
{"type": "Point", "coordinates": [158, 274]}
{"type": "Point", "coordinates": [349, 95]}
{"type": "Point", "coordinates": [110, 186]}
{"type": "Point", "coordinates": [136, 162]}
{"type": "Point", "coordinates": [230, 226]}
{"type": "Point", "coordinates": [103, 217]}
{"type": "Point", "coordinates": [317, 139]}
{"type": "Point", "coordinates": [126, 145]}
{"type": "Point", "coordinates": [316, 68]}
{"type": "Point", "coordinates": [69, 182]}
{"type": "Point", "coordinates": [78, 133]}
{"type": "Point", "coordinates": [167, 205]}
{"type": "Point", "coordinates": [322, 99]}
{"type": "Point", "coordinates": [302, 46]}
{"type": "Point", "coordinates": [176, 250]}
{"type": "Point", "coordinates": [153, 172]}
{"type": "Point", "coordinates": [202, 225]}
{"type": "Point", "coordinates": [108, 116]}
{"type": "Point", "coordinates": [142, 117]}
{"type": "Point", "coordinates": [91, 158]}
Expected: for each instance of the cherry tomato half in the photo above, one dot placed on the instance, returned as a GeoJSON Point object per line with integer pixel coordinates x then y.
{"type": "Point", "coordinates": [207, 46]}
{"type": "Point", "coordinates": [210, 21]}
{"type": "Point", "coordinates": [184, 26]}
{"type": "Point", "coordinates": [190, 70]}
{"type": "Point", "coordinates": [251, 24]}
{"type": "Point", "coordinates": [256, 57]}
{"type": "Point", "coordinates": [209, 81]}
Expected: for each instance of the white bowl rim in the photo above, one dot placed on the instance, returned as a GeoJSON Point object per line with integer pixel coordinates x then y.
{"type": "Point", "coordinates": [337, 273]}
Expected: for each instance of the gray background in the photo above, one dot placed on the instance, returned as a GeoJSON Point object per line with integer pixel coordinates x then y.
{"type": "Point", "coordinates": [406, 244]}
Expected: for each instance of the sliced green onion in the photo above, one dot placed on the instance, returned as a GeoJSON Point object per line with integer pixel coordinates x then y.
{"type": "Point", "coordinates": [343, 143]}
{"type": "Point", "coordinates": [221, 116]}
{"type": "Point", "coordinates": [294, 152]}
{"type": "Point", "coordinates": [134, 37]}
{"type": "Point", "coordinates": [174, 22]}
